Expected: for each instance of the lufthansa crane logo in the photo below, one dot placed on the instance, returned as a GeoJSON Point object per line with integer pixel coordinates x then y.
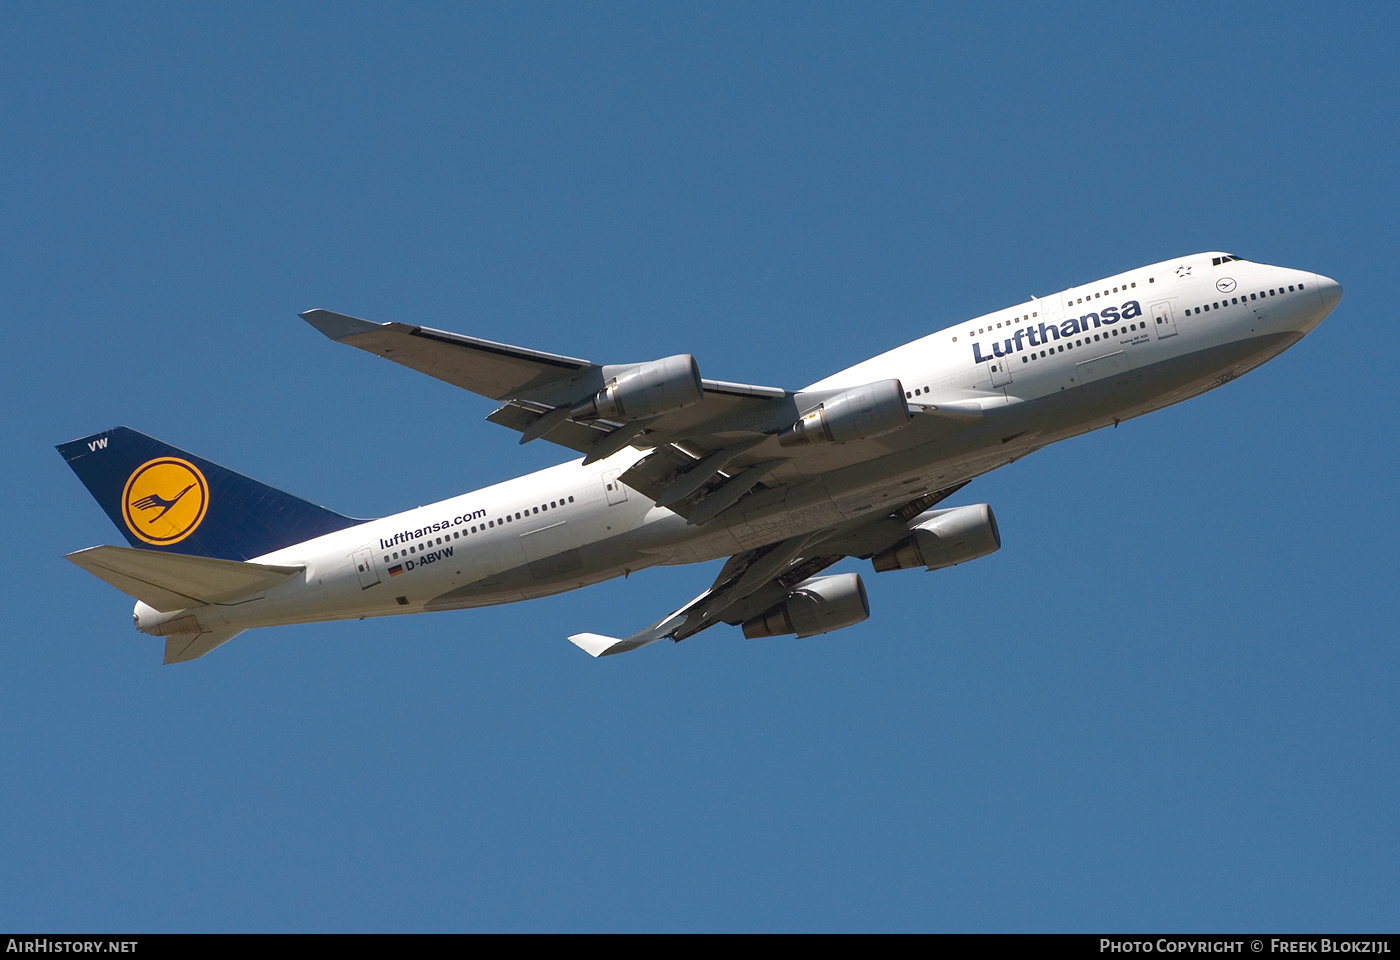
{"type": "Point", "coordinates": [165, 500]}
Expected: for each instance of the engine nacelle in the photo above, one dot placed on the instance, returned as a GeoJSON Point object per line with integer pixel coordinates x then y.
{"type": "Point", "coordinates": [859, 413]}
{"type": "Point", "coordinates": [944, 539]}
{"type": "Point", "coordinates": [645, 390]}
{"type": "Point", "coordinates": [818, 605]}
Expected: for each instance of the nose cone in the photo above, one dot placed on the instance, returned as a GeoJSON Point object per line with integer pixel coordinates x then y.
{"type": "Point", "coordinates": [1329, 291]}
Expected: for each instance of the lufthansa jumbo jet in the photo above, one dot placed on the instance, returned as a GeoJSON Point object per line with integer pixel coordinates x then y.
{"type": "Point", "coordinates": [677, 468]}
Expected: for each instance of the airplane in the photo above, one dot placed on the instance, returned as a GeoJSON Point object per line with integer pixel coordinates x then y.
{"type": "Point", "coordinates": [679, 469]}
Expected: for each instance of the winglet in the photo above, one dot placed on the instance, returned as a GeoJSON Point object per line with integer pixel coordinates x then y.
{"type": "Point", "coordinates": [597, 645]}
{"type": "Point", "coordinates": [338, 326]}
{"type": "Point", "coordinates": [594, 644]}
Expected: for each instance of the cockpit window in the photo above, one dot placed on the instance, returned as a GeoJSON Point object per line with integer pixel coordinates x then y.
{"type": "Point", "coordinates": [1217, 261]}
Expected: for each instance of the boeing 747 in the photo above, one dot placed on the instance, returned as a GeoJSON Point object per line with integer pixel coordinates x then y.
{"type": "Point", "coordinates": [676, 468]}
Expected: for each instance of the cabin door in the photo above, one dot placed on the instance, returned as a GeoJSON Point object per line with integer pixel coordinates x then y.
{"type": "Point", "coordinates": [1000, 369]}
{"type": "Point", "coordinates": [1162, 320]}
{"type": "Point", "coordinates": [363, 559]}
{"type": "Point", "coordinates": [615, 488]}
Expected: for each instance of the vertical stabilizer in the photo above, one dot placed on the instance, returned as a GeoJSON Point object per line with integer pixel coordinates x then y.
{"type": "Point", "coordinates": [162, 498]}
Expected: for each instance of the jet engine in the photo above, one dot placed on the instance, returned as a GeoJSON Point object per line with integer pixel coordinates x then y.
{"type": "Point", "coordinates": [645, 390]}
{"type": "Point", "coordinates": [818, 605]}
{"type": "Point", "coordinates": [944, 538]}
{"type": "Point", "coordinates": [859, 413]}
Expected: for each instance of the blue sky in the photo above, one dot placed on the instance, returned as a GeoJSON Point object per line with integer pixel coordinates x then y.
{"type": "Point", "coordinates": [1168, 703]}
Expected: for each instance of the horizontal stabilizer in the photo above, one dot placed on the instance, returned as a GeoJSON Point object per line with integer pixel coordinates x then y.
{"type": "Point", "coordinates": [189, 646]}
{"type": "Point", "coordinates": [173, 581]}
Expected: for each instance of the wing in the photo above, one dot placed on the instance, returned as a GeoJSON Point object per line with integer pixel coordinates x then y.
{"type": "Point", "coordinates": [493, 370]}
{"type": "Point", "coordinates": [713, 443]}
{"type": "Point", "coordinates": [557, 397]}
{"type": "Point", "coordinates": [756, 581]}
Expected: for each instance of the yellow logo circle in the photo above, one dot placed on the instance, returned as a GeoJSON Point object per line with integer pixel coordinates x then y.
{"type": "Point", "coordinates": [165, 500]}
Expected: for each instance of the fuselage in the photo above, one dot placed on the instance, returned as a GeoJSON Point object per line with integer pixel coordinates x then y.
{"type": "Point", "coordinates": [1041, 371]}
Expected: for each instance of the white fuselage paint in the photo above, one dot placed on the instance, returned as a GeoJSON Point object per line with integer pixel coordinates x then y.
{"type": "Point", "coordinates": [572, 525]}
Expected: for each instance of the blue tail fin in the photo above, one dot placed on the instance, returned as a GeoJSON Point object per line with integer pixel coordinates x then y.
{"type": "Point", "coordinates": [162, 498]}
